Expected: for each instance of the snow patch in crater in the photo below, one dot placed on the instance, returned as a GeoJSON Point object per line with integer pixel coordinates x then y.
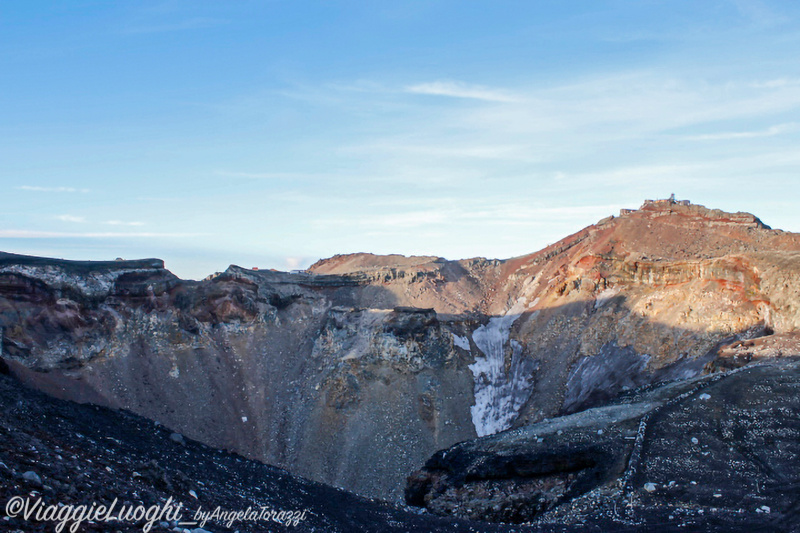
{"type": "Point", "coordinates": [605, 297]}
{"type": "Point", "coordinates": [461, 342]}
{"type": "Point", "coordinates": [500, 389]}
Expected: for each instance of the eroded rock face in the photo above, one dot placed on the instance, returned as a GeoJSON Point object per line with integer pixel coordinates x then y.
{"type": "Point", "coordinates": [285, 368]}
{"type": "Point", "coordinates": [719, 451]}
{"type": "Point", "coordinates": [355, 372]}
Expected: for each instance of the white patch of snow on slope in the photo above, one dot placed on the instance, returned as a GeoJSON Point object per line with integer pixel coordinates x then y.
{"type": "Point", "coordinates": [461, 342]}
{"type": "Point", "coordinates": [605, 297]}
{"type": "Point", "coordinates": [499, 392]}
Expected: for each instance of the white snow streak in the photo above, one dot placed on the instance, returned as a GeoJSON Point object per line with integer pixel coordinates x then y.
{"type": "Point", "coordinates": [461, 342]}
{"type": "Point", "coordinates": [499, 392]}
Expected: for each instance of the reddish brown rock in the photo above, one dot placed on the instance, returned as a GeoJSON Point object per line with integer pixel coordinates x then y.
{"type": "Point", "coordinates": [344, 375]}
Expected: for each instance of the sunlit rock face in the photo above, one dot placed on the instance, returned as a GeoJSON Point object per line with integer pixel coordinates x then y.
{"type": "Point", "coordinates": [356, 371]}
{"type": "Point", "coordinates": [324, 375]}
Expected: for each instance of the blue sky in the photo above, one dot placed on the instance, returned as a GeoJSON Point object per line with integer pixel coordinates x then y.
{"type": "Point", "coordinates": [273, 133]}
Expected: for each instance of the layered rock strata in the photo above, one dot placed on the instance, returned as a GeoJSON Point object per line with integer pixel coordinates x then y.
{"type": "Point", "coordinates": [354, 372]}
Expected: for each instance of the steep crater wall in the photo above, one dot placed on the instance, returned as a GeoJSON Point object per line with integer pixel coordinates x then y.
{"type": "Point", "coordinates": [355, 372]}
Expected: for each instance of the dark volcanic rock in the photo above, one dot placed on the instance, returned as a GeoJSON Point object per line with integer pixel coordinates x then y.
{"type": "Point", "coordinates": [721, 452]}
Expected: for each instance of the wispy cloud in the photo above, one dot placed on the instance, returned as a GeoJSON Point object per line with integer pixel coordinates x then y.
{"type": "Point", "coordinates": [769, 132]}
{"type": "Point", "coordinates": [31, 234]}
{"type": "Point", "coordinates": [712, 173]}
{"type": "Point", "coordinates": [78, 219]}
{"type": "Point", "coordinates": [474, 151]}
{"type": "Point", "coordinates": [266, 175]}
{"type": "Point", "coordinates": [293, 263]}
{"type": "Point", "coordinates": [70, 218]}
{"type": "Point", "coordinates": [618, 108]}
{"type": "Point", "coordinates": [410, 219]}
{"type": "Point", "coordinates": [456, 89]}
{"type": "Point", "coordinates": [777, 83]}
{"type": "Point", "coordinates": [36, 188]}
{"type": "Point", "coordinates": [123, 223]}
{"type": "Point", "coordinates": [644, 175]}
{"type": "Point", "coordinates": [492, 211]}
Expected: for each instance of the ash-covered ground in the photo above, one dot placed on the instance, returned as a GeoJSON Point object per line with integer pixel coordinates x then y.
{"type": "Point", "coordinates": [69, 453]}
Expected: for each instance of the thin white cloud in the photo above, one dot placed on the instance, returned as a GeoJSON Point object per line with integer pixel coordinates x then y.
{"type": "Point", "coordinates": [293, 263]}
{"type": "Point", "coordinates": [618, 109]}
{"type": "Point", "coordinates": [266, 175]}
{"type": "Point", "coordinates": [406, 220]}
{"type": "Point", "coordinates": [70, 218]}
{"type": "Point", "coordinates": [712, 173]}
{"type": "Point", "coordinates": [457, 89]}
{"type": "Point", "coordinates": [31, 234]}
{"type": "Point", "coordinates": [123, 223]}
{"type": "Point", "coordinates": [411, 219]}
{"type": "Point", "coordinates": [644, 173]}
{"type": "Point", "coordinates": [769, 132]}
{"type": "Point", "coordinates": [516, 213]}
{"type": "Point", "coordinates": [36, 188]}
{"type": "Point", "coordinates": [777, 83]}
{"type": "Point", "coordinates": [471, 151]}
{"type": "Point", "coordinates": [493, 211]}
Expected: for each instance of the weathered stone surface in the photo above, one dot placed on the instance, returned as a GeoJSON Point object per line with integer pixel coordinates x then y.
{"type": "Point", "coordinates": [708, 453]}
{"type": "Point", "coordinates": [743, 352]}
{"type": "Point", "coordinates": [286, 368]}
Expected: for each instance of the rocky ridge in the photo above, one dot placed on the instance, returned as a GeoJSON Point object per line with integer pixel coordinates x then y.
{"type": "Point", "coordinates": [306, 370]}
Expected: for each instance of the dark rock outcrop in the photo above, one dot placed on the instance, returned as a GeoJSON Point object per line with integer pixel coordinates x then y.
{"type": "Point", "coordinates": [720, 452]}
